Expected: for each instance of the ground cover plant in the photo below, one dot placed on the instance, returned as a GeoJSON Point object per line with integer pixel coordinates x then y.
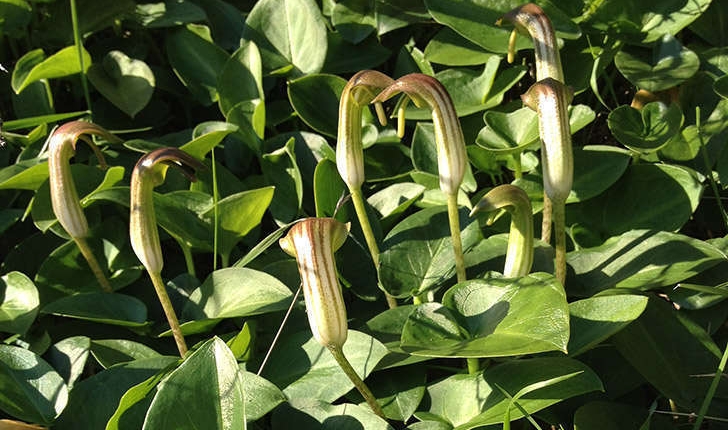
{"type": "Point", "coordinates": [420, 214]}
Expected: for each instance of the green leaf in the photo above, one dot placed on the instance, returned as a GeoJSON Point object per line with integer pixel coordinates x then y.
{"type": "Point", "coordinates": [595, 319]}
{"type": "Point", "coordinates": [646, 22]}
{"type": "Point", "coordinates": [196, 60]}
{"type": "Point", "coordinates": [476, 21]}
{"type": "Point", "coordinates": [370, 54]}
{"type": "Point", "coordinates": [178, 214]}
{"type": "Point", "coordinates": [354, 19]}
{"type": "Point", "coordinates": [34, 66]}
{"type": "Point", "coordinates": [596, 168]}
{"type": "Point", "coordinates": [207, 386]}
{"type": "Point", "coordinates": [107, 308]}
{"type": "Point", "coordinates": [236, 292]}
{"type": "Point", "coordinates": [25, 175]}
{"type": "Point", "coordinates": [207, 136]}
{"type": "Point", "coordinates": [313, 414]}
{"type": "Point", "coordinates": [393, 201]}
{"type": "Point", "coordinates": [509, 133]}
{"type": "Point", "coordinates": [451, 49]}
{"type": "Point", "coordinates": [328, 188]}
{"type": "Point", "coordinates": [126, 82]}
{"type": "Point", "coordinates": [94, 399]}
{"type": "Point", "coordinates": [241, 79]}
{"type": "Point", "coordinates": [282, 171]}
{"type": "Point", "coordinates": [32, 390]}
{"type": "Point", "coordinates": [650, 345]}
{"type": "Point", "coordinates": [69, 357]}
{"type": "Point", "coordinates": [109, 352]}
{"type": "Point", "coordinates": [640, 259]}
{"type": "Point", "coordinates": [668, 65]}
{"type": "Point", "coordinates": [315, 98]}
{"type": "Point", "coordinates": [647, 196]}
{"type": "Point", "coordinates": [305, 369]}
{"type": "Point", "coordinates": [261, 396]}
{"type": "Point", "coordinates": [17, 14]}
{"type": "Point", "coordinates": [291, 36]}
{"type": "Point", "coordinates": [646, 130]}
{"type": "Point", "coordinates": [399, 391]}
{"type": "Point", "coordinates": [473, 91]}
{"type": "Point", "coordinates": [19, 304]}
{"type": "Point", "coordinates": [417, 254]}
{"type": "Point", "coordinates": [491, 318]}
{"type": "Point", "coordinates": [471, 401]}
{"type": "Point", "coordinates": [237, 215]}
{"type": "Point", "coordinates": [168, 14]}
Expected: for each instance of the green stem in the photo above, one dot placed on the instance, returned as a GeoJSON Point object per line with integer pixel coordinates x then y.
{"type": "Point", "coordinates": [457, 243]}
{"type": "Point", "coordinates": [216, 215]}
{"type": "Point", "coordinates": [546, 215]}
{"type": "Point", "coordinates": [559, 212]}
{"type": "Point", "coordinates": [340, 358]}
{"type": "Point", "coordinates": [79, 48]}
{"type": "Point", "coordinates": [93, 263]}
{"type": "Point", "coordinates": [189, 262]}
{"type": "Point", "coordinates": [711, 390]}
{"type": "Point", "coordinates": [361, 213]}
{"type": "Point", "coordinates": [473, 365]}
{"type": "Point", "coordinates": [166, 303]}
{"type": "Point", "coordinates": [366, 227]}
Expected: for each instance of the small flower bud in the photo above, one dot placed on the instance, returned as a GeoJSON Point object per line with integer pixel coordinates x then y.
{"type": "Point", "coordinates": [313, 242]}
{"type": "Point", "coordinates": [532, 19]}
{"type": "Point", "coordinates": [427, 91]}
{"type": "Point", "coordinates": [519, 255]}
{"type": "Point", "coordinates": [64, 197]}
{"type": "Point", "coordinates": [358, 92]}
{"type": "Point", "coordinates": [149, 172]}
{"type": "Point", "coordinates": [550, 99]}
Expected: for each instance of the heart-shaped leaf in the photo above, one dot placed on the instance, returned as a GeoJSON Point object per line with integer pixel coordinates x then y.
{"type": "Point", "coordinates": [34, 66]}
{"type": "Point", "coordinates": [417, 254]}
{"type": "Point", "coordinates": [207, 386]}
{"type": "Point", "coordinates": [305, 369]}
{"type": "Point", "coordinates": [236, 292]}
{"type": "Point", "coordinates": [491, 318]}
{"type": "Point", "coordinates": [475, 400]}
{"type": "Point", "coordinates": [108, 308]}
{"type": "Point", "coordinates": [646, 130]}
{"type": "Point", "coordinates": [20, 302]}
{"type": "Point", "coordinates": [126, 82]}
{"type": "Point", "coordinates": [32, 390]}
{"type": "Point", "coordinates": [291, 36]}
{"type": "Point", "coordinates": [640, 259]}
{"type": "Point", "coordinates": [597, 318]}
{"type": "Point", "coordinates": [667, 65]}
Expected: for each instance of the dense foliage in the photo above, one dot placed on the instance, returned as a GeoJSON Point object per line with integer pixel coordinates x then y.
{"type": "Point", "coordinates": [633, 339]}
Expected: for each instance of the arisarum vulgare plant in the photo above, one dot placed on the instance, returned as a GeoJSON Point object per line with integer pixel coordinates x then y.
{"type": "Point", "coordinates": [426, 91]}
{"type": "Point", "coordinates": [530, 18]}
{"type": "Point", "coordinates": [519, 254]}
{"type": "Point", "coordinates": [550, 99]}
{"type": "Point", "coordinates": [313, 241]}
{"type": "Point", "coordinates": [149, 172]}
{"type": "Point", "coordinates": [64, 197]}
{"type": "Point", "coordinates": [361, 89]}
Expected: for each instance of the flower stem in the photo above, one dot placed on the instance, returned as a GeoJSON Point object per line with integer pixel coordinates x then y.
{"type": "Point", "coordinates": [473, 366]}
{"type": "Point", "coordinates": [457, 244]}
{"type": "Point", "coordinates": [166, 303]}
{"type": "Point", "coordinates": [546, 215]}
{"type": "Point", "coordinates": [93, 263]}
{"type": "Point", "coordinates": [340, 358]}
{"type": "Point", "coordinates": [366, 227]}
{"type": "Point", "coordinates": [559, 212]}
{"type": "Point", "coordinates": [189, 261]}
